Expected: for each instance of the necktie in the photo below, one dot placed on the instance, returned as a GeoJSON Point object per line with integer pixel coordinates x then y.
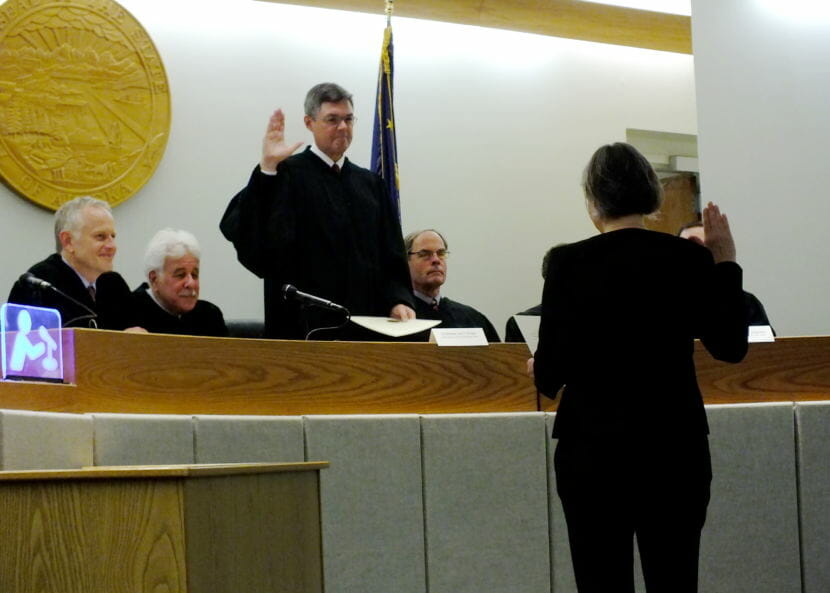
{"type": "Point", "coordinates": [91, 290]}
{"type": "Point", "coordinates": [335, 168]}
{"type": "Point", "coordinates": [434, 304]}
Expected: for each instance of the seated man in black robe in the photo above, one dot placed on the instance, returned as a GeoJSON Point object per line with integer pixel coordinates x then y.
{"type": "Point", "coordinates": [319, 222]}
{"type": "Point", "coordinates": [168, 303]}
{"type": "Point", "coordinates": [755, 312]}
{"type": "Point", "coordinates": [427, 251]}
{"type": "Point", "coordinates": [84, 289]}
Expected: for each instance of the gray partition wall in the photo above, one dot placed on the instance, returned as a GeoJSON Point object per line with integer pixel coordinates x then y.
{"type": "Point", "coordinates": [467, 503]}
{"type": "Point", "coordinates": [750, 541]}
{"type": "Point", "coordinates": [813, 446]}
{"type": "Point", "coordinates": [486, 503]}
{"type": "Point", "coordinates": [143, 439]}
{"type": "Point", "coordinates": [44, 440]}
{"type": "Point", "coordinates": [371, 502]}
{"type": "Point", "coordinates": [562, 572]}
{"type": "Point", "coordinates": [248, 439]}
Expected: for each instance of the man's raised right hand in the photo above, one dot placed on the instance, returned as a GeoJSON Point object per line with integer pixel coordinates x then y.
{"type": "Point", "coordinates": [274, 148]}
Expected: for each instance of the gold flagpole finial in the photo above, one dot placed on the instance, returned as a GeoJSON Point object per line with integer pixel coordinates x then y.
{"type": "Point", "coordinates": [389, 7]}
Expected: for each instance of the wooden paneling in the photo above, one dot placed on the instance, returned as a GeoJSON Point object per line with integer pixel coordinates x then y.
{"type": "Point", "coordinates": [146, 530]}
{"type": "Point", "coordinates": [790, 369]}
{"type": "Point", "coordinates": [263, 534]}
{"type": "Point", "coordinates": [571, 19]}
{"type": "Point", "coordinates": [118, 536]}
{"type": "Point", "coordinates": [134, 373]}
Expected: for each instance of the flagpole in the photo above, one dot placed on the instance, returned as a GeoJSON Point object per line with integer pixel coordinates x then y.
{"type": "Point", "coordinates": [384, 144]}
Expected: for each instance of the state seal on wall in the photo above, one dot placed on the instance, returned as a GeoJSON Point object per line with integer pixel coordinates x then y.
{"type": "Point", "coordinates": [84, 101]}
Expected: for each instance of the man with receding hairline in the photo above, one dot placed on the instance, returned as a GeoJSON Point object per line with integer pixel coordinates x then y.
{"type": "Point", "coordinates": [81, 268]}
{"type": "Point", "coordinates": [317, 221]}
{"type": "Point", "coordinates": [427, 253]}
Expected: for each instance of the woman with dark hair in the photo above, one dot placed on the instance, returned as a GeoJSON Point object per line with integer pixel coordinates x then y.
{"type": "Point", "coordinates": [619, 320]}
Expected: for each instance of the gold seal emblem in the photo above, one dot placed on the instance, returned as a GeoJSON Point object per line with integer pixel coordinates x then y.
{"type": "Point", "coordinates": [84, 101]}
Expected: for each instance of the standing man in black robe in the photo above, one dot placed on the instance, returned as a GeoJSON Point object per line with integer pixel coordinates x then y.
{"type": "Point", "coordinates": [317, 221]}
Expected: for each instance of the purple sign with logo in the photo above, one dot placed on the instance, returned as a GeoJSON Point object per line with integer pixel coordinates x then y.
{"type": "Point", "coordinates": [31, 343]}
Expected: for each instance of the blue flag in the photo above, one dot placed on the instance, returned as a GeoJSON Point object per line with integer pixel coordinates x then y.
{"type": "Point", "coordinates": [384, 145]}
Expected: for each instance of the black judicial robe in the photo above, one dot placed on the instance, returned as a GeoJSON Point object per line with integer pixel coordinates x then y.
{"type": "Point", "coordinates": [111, 304]}
{"type": "Point", "coordinates": [333, 235]}
{"type": "Point", "coordinates": [452, 314]}
{"type": "Point", "coordinates": [205, 319]}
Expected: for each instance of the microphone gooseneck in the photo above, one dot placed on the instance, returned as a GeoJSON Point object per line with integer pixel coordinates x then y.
{"type": "Point", "coordinates": [290, 293]}
{"type": "Point", "coordinates": [32, 280]}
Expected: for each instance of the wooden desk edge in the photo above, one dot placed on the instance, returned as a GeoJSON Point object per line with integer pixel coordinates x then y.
{"type": "Point", "coordinates": [160, 471]}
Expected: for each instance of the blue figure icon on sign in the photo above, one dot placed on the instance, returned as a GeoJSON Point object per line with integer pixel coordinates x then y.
{"type": "Point", "coordinates": [23, 346]}
{"type": "Point", "coordinates": [29, 353]}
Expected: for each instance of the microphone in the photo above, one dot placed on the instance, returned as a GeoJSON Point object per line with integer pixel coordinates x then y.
{"type": "Point", "coordinates": [32, 280]}
{"type": "Point", "coordinates": [290, 293]}
{"type": "Point", "coordinates": [29, 278]}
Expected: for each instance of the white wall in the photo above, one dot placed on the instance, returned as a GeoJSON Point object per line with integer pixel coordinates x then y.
{"type": "Point", "coordinates": [494, 128]}
{"type": "Point", "coordinates": [763, 93]}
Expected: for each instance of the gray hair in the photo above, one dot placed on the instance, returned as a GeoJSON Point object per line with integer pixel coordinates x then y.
{"type": "Point", "coordinates": [410, 238]}
{"type": "Point", "coordinates": [325, 92]}
{"type": "Point", "coordinates": [169, 243]}
{"type": "Point", "coordinates": [70, 216]}
{"type": "Point", "coordinates": [620, 181]}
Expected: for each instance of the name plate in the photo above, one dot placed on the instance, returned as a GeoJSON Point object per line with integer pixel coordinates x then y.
{"type": "Point", "coordinates": [760, 333]}
{"type": "Point", "coordinates": [31, 343]}
{"type": "Point", "coordinates": [458, 336]}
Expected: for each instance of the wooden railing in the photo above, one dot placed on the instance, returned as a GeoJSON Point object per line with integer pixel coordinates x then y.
{"type": "Point", "coordinates": [160, 374]}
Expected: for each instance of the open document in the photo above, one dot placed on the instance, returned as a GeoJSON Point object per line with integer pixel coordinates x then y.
{"type": "Point", "coordinates": [394, 327]}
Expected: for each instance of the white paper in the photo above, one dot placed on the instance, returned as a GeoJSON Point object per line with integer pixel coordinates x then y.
{"type": "Point", "coordinates": [458, 336]}
{"type": "Point", "coordinates": [760, 333]}
{"type": "Point", "coordinates": [394, 327]}
{"type": "Point", "coordinates": [529, 326]}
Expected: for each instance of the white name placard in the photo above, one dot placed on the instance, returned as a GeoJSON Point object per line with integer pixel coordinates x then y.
{"type": "Point", "coordinates": [760, 333]}
{"type": "Point", "coordinates": [458, 336]}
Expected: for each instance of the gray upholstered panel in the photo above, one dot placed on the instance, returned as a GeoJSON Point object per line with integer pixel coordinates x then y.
{"type": "Point", "coordinates": [240, 439]}
{"type": "Point", "coordinates": [143, 439]}
{"type": "Point", "coordinates": [371, 502]}
{"type": "Point", "coordinates": [486, 504]}
{"type": "Point", "coordinates": [813, 434]}
{"type": "Point", "coordinates": [562, 572]}
{"type": "Point", "coordinates": [750, 541]}
{"type": "Point", "coordinates": [44, 440]}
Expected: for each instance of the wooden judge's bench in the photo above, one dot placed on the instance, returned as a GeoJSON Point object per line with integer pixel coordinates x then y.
{"type": "Point", "coordinates": [162, 374]}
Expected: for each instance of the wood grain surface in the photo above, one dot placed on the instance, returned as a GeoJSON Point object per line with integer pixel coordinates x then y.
{"type": "Point", "coordinates": [572, 19]}
{"type": "Point", "coordinates": [122, 536]}
{"type": "Point", "coordinates": [249, 528]}
{"type": "Point", "coordinates": [104, 472]}
{"type": "Point", "coordinates": [134, 373]}
{"type": "Point", "coordinates": [254, 533]}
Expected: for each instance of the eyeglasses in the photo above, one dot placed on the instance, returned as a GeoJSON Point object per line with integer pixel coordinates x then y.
{"type": "Point", "coordinates": [334, 121]}
{"type": "Point", "coordinates": [428, 253]}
